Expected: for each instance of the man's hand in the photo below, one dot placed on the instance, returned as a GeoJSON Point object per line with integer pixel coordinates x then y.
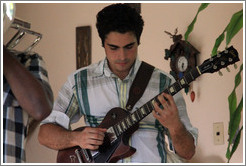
{"type": "Point", "coordinates": [56, 137]}
{"type": "Point", "coordinates": [168, 115]}
{"type": "Point", "coordinates": [90, 138]}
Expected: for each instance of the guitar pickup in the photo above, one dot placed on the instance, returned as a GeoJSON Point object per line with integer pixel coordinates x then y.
{"type": "Point", "coordinates": [111, 134]}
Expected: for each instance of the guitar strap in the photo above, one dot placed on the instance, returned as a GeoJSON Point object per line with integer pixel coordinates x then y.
{"type": "Point", "coordinates": [139, 84]}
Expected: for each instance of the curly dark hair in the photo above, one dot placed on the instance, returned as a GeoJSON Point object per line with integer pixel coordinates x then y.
{"type": "Point", "coordinates": [119, 18]}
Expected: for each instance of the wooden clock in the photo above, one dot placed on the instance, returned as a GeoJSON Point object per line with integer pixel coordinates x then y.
{"type": "Point", "coordinates": [183, 56]}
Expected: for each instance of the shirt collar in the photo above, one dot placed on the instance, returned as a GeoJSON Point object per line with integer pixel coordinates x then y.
{"type": "Point", "coordinates": [103, 69]}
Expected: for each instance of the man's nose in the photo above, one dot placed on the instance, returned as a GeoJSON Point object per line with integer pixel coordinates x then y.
{"type": "Point", "coordinates": [122, 54]}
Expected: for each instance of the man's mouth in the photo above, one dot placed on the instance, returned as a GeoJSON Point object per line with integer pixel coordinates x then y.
{"type": "Point", "coordinates": [121, 63]}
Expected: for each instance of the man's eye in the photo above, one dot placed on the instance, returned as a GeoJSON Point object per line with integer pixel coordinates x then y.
{"type": "Point", "coordinates": [113, 48]}
{"type": "Point", "coordinates": [129, 47]}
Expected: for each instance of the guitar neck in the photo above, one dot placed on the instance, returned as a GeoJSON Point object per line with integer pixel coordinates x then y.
{"type": "Point", "coordinates": [147, 108]}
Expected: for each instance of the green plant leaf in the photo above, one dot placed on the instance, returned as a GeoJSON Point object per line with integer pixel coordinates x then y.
{"type": "Point", "coordinates": [234, 147]}
{"type": "Point", "coordinates": [191, 26]}
{"type": "Point", "coordinates": [235, 121]}
{"type": "Point", "coordinates": [232, 99]}
{"type": "Point", "coordinates": [235, 117]}
{"type": "Point", "coordinates": [237, 140]}
{"type": "Point", "coordinates": [217, 43]}
{"type": "Point", "coordinates": [238, 77]}
{"type": "Point", "coordinates": [228, 152]}
{"type": "Point", "coordinates": [234, 26]}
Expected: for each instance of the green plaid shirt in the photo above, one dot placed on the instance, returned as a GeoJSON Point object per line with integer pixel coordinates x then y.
{"type": "Point", "coordinates": [15, 119]}
{"type": "Point", "coordinates": [92, 91]}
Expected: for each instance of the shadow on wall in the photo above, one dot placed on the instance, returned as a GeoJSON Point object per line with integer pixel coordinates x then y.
{"type": "Point", "coordinates": [199, 157]}
{"type": "Point", "coordinates": [208, 159]}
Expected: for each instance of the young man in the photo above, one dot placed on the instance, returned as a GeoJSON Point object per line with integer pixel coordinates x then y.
{"type": "Point", "coordinates": [27, 97]}
{"type": "Point", "coordinates": [94, 90]}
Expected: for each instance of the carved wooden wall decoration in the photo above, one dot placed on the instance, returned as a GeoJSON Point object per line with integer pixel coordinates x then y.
{"type": "Point", "coordinates": [83, 46]}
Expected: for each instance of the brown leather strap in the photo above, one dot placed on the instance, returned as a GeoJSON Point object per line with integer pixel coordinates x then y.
{"type": "Point", "coordinates": [139, 84]}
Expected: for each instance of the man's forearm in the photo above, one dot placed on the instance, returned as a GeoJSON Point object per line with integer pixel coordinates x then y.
{"type": "Point", "coordinates": [27, 89]}
{"type": "Point", "coordinates": [183, 142]}
{"type": "Point", "coordinates": [55, 137]}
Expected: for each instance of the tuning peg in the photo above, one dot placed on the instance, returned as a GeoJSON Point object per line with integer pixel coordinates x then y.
{"type": "Point", "coordinates": [227, 68]}
{"type": "Point", "coordinates": [226, 50]}
{"type": "Point", "coordinates": [235, 66]}
{"type": "Point", "coordinates": [220, 73]}
{"type": "Point", "coordinates": [218, 54]}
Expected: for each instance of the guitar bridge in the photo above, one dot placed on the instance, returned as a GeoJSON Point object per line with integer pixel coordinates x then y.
{"type": "Point", "coordinates": [83, 155]}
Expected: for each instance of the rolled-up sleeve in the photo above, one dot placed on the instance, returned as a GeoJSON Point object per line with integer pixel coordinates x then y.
{"type": "Point", "coordinates": [65, 108]}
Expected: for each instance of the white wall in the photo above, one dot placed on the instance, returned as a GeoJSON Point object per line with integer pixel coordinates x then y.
{"type": "Point", "coordinates": [57, 23]}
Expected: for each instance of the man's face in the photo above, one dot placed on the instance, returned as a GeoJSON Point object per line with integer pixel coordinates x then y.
{"type": "Point", "coordinates": [121, 52]}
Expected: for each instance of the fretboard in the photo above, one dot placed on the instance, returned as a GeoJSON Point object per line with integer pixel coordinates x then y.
{"type": "Point", "coordinates": [147, 108]}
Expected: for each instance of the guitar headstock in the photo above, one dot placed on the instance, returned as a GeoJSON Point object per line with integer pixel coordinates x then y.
{"type": "Point", "coordinates": [219, 61]}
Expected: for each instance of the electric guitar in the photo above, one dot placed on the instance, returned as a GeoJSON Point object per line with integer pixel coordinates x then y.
{"type": "Point", "coordinates": [121, 124]}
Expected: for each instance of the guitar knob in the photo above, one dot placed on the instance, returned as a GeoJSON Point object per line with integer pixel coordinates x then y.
{"type": "Point", "coordinates": [220, 73]}
{"type": "Point", "coordinates": [230, 59]}
{"type": "Point", "coordinates": [113, 115]}
{"type": "Point", "coordinates": [226, 51]}
{"type": "Point", "coordinates": [214, 67]}
{"type": "Point", "coordinates": [222, 63]}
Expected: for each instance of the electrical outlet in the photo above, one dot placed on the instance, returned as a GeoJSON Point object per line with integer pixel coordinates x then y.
{"type": "Point", "coordinates": [218, 132]}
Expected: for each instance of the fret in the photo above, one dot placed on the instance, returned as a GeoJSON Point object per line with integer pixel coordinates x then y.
{"type": "Point", "coordinates": [152, 102]}
{"type": "Point", "coordinates": [134, 117]}
{"type": "Point", "coordinates": [179, 83]}
{"type": "Point", "coordinates": [123, 126]}
{"type": "Point", "coordinates": [150, 106]}
{"type": "Point", "coordinates": [157, 101]}
{"type": "Point", "coordinates": [140, 115]}
{"type": "Point", "coordinates": [166, 91]}
{"type": "Point", "coordinates": [191, 76]}
{"type": "Point", "coordinates": [196, 73]}
{"type": "Point", "coordinates": [128, 121]}
{"type": "Point", "coordinates": [143, 111]}
{"type": "Point", "coordinates": [177, 86]}
{"type": "Point", "coordinates": [188, 78]}
{"type": "Point", "coordinates": [119, 128]}
{"type": "Point", "coordinates": [116, 130]}
{"type": "Point", "coordinates": [137, 116]}
{"type": "Point", "coordinates": [146, 108]}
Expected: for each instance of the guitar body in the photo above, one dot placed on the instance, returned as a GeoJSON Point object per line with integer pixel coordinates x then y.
{"type": "Point", "coordinates": [108, 152]}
